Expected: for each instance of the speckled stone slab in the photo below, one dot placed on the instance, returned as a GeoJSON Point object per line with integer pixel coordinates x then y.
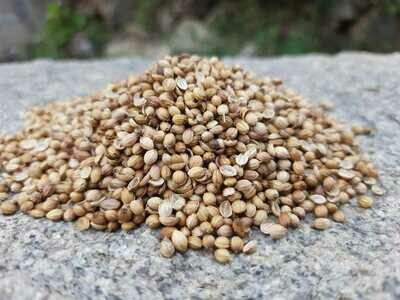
{"type": "Point", "coordinates": [359, 260]}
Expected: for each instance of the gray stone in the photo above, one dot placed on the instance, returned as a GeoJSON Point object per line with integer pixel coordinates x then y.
{"type": "Point", "coordinates": [357, 260]}
{"type": "Point", "coordinates": [80, 46]}
{"type": "Point", "coordinates": [20, 20]}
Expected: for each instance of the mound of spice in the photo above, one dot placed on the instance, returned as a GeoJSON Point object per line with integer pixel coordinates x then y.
{"type": "Point", "coordinates": [201, 150]}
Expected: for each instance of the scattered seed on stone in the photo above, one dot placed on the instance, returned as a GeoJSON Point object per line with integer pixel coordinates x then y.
{"type": "Point", "coordinates": [201, 150]}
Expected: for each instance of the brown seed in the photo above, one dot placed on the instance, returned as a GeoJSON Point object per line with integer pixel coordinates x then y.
{"type": "Point", "coordinates": [27, 206]}
{"type": "Point", "coordinates": [128, 226]}
{"type": "Point", "coordinates": [37, 213]}
{"type": "Point", "coordinates": [321, 211]}
{"type": "Point", "coordinates": [79, 210]}
{"type": "Point", "coordinates": [8, 208]}
{"type": "Point", "coordinates": [69, 215]}
{"type": "Point", "coordinates": [208, 241]}
{"type": "Point", "coordinates": [284, 220]}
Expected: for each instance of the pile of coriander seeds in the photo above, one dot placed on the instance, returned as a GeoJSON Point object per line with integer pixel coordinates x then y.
{"type": "Point", "coordinates": [200, 150]}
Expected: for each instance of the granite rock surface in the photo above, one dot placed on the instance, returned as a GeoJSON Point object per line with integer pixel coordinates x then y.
{"type": "Point", "coordinates": [40, 259]}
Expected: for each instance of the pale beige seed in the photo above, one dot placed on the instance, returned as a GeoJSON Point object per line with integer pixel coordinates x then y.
{"type": "Point", "coordinates": [179, 119]}
{"type": "Point", "coordinates": [241, 159]}
{"type": "Point", "coordinates": [127, 196]}
{"type": "Point", "coordinates": [222, 256]}
{"type": "Point", "coordinates": [338, 216]}
{"type": "Point", "coordinates": [55, 214]}
{"type": "Point", "coordinates": [150, 157]}
{"type": "Point", "coordinates": [169, 84]}
{"type": "Point", "coordinates": [93, 195]}
{"type": "Point", "coordinates": [110, 203]}
{"type": "Point", "coordinates": [237, 244]}
{"type": "Point", "coordinates": [195, 242]}
{"type": "Point", "coordinates": [377, 190]}
{"type": "Point", "coordinates": [276, 231]}
{"type": "Point", "coordinates": [222, 242]}
{"type": "Point", "coordinates": [85, 172]}
{"type": "Point", "coordinates": [321, 223]}
{"type": "Point", "coordinates": [196, 172]}
{"type": "Point", "coordinates": [146, 143]}
{"type": "Point", "coordinates": [153, 221]}
{"type": "Point", "coordinates": [20, 177]}
{"type": "Point", "coordinates": [225, 209]}
{"type": "Point", "coordinates": [179, 240]}
{"type": "Point", "coordinates": [168, 220]}
{"type": "Point", "coordinates": [365, 201]}
{"type": "Point", "coordinates": [167, 249]}
{"type": "Point", "coordinates": [346, 174]}
{"type": "Point", "coordinates": [165, 208]}
{"type": "Point", "coordinates": [181, 84]}
{"type": "Point", "coordinates": [318, 199]}
{"type": "Point", "coordinates": [83, 223]}
{"type": "Point", "coordinates": [137, 207]}
{"type": "Point", "coordinates": [294, 220]}
{"type": "Point", "coordinates": [250, 247]}
{"type": "Point", "coordinates": [239, 206]}
{"type": "Point", "coordinates": [228, 171]}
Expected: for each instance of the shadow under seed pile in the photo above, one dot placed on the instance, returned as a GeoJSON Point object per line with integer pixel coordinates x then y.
{"type": "Point", "coordinates": [201, 150]}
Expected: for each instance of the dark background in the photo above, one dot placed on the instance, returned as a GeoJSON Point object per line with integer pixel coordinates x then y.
{"type": "Point", "coordinates": [152, 28]}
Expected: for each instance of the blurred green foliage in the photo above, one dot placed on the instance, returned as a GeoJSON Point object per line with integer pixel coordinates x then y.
{"type": "Point", "coordinates": [143, 13]}
{"type": "Point", "coordinates": [267, 27]}
{"type": "Point", "coordinates": [61, 24]}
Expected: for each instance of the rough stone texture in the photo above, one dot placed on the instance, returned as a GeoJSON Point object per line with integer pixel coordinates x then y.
{"type": "Point", "coordinates": [359, 260]}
